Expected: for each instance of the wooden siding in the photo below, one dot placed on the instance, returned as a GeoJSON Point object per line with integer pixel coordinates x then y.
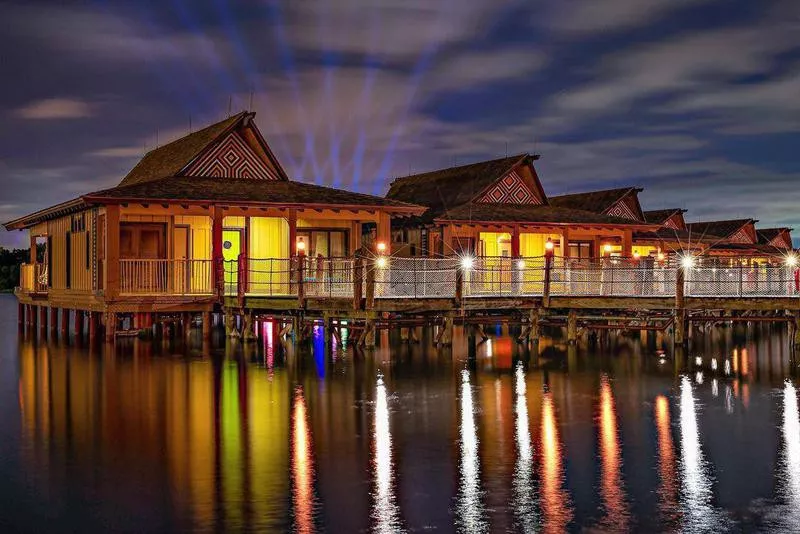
{"type": "Point", "coordinates": [71, 241]}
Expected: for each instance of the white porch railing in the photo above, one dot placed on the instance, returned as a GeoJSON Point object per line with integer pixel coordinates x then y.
{"type": "Point", "coordinates": [165, 277]}
{"type": "Point", "coordinates": [416, 277]}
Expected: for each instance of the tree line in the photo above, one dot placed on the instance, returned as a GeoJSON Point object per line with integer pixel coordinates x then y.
{"type": "Point", "coordinates": [10, 260]}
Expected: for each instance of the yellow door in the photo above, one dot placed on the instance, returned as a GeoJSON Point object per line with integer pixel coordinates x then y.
{"type": "Point", "coordinates": [231, 248]}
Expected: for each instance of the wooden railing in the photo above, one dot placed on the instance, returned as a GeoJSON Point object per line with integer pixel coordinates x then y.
{"type": "Point", "coordinates": [165, 277]}
{"type": "Point", "coordinates": [33, 278]}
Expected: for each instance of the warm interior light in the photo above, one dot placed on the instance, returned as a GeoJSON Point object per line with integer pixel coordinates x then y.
{"type": "Point", "coordinates": [607, 247]}
{"type": "Point", "coordinates": [687, 262]}
{"type": "Point", "coordinates": [301, 245]}
{"type": "Point", "coordinates": [660, 256]}
{"type": "Point", "coordinates": [382, 262]}
{"type": "Point", "coordinates": [467, 262]}
{"type": "Point", "coordinates": [635, 255]}
{"type": "Point", "coordinates": [381, 246]}
{"type": "Point", "coordinates": [549, 245]}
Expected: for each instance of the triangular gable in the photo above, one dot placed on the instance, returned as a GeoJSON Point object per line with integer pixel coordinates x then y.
{"type": "Point", "coordinates": [781, 241]}
{"type": "Point", "coordinates": [676, 221]}
{"type": "Point", "coordinates": [627, 208]}
{"type": "Point", "coordinates": [233, 157]}
{"type": "Point", "coordinates": [519, 186]}
{"type": "Point", "coordinates": [744, 235]}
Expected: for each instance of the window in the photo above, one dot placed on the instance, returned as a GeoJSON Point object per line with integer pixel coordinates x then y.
{"type": "Point", "coordinates": [325, 243]}
{"type": "Point", "coordinates": [580, 250]}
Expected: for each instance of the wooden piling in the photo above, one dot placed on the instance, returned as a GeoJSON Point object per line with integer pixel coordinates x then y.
{"type": "Point", "coordinates": [64, 323]}
{"type": "Point", "coordinates": [369, 334]}
{"type": "Point", "coordinates": [94, 325]}
{"type": "Point", "coordinates": [207, 318]}
{"type": "Point", "coordinates": [447, 334]}
{"type": "Point", "coordinates": [358, 281]}
{"type": "Point", "coordinates": [78, 325]}
{"type": "Point", "coordinates": [248, 328]}
{"type": "Point", "coordinates": [53, 318]}
{"type": "Point", "coordinates": [535, 329]}
{"type": "Point", "coordinates": [110, 323]}
{"type": "Point", "coordinates": [572, 327]}
{"type": "Point", "coordinates": [43, 318]}
{"type": "Point", "coordinates": [20, 316]}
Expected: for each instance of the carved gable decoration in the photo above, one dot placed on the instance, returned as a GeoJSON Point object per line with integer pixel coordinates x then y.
{"type": "Point", "coordinates": [741, 236]}
{"type": "Point", "coordinates": [781, 241]}
{"type": "Point", "coordinates": [232, 158]}
{"type": "Point", "coordinates": [511, 189]}
{"type": "Point", "coordinates": [671, 223]}
{"type": "Point", "coordinates": [622, 210]}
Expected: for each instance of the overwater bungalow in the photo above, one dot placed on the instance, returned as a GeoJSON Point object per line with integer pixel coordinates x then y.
{"type": "Point", "coordinates": [498, 208]}
{"type": "Point", "coordinates": [211, 210]}
{"type": "Point", "coordinates": [738, 241]}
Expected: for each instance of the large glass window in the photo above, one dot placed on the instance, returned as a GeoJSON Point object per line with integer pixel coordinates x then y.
{"type": "Point", "coordinates": [325, 243]}
{"type": "Point", "coordinates": [580, 250]}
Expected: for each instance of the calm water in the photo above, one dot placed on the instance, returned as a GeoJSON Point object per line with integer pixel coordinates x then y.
{"type": "Point", "coordinates": [157, 436]}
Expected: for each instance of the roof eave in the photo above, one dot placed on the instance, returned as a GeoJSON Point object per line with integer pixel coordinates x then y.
{"type": "Point", "coordinates": [58, 210]}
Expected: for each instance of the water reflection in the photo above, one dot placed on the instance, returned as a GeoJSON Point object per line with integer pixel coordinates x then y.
{"type": "Point", "coordinates": [668, 487]}
{"type": "Point", "coordinates": [385, 512]}
{"type": "Point", "coordinates": [523, 486]}
{"type": "Point", "coordinates": [612, 490]}
{"type": "Point", "coordinates": [791, 457]}
{"type": "Point", "coordinates": [470, 513]}
{"type": "Point", "coordinates": [556, 509]}
{"type": "Point", "coordinates": [303, 499]}
{"type": "Point", "coordinates": [696, 490]}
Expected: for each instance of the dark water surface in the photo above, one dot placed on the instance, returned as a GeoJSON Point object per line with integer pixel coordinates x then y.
{"type": "Point", "coordinates": [158, 436]}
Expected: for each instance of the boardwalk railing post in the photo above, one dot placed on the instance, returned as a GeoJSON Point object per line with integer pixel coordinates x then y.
{"type": "Point", "coordinates": [679, 322]}
{"type": "Point", "coordinates": [459, 295]}
{"type": "Point", "coordinates": [548, 268]}
{"type": "Point", "coordinates": [741, 277]}
{"type": "Point", "coordinates": [358, 280]}
{"type": "Point", "coordinates": [370, 289]}
{"type": "Point", "coordinates": [241, 278]}
{"type": "Point", "coordinates": [299, 274]}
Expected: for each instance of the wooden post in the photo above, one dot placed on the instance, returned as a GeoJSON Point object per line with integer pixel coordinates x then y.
{"type": "Point", "coordinates": [64, 323]}
{"type": "Point", "coordinates": [796, 345]}
{"type": "Point", "coordinates": [369, 333]}
{"type": "Point", "coordinates": [627, 243]}
{"type": "Point", "coordinates": [53, 318]}
{"type": "Point", "coordinates": [248, 328]}
{"type": "Point", "coordinates": [186, 323]}
{"type": "Point", "coordinates": [94, 324]}
{"type": "Point", "coordinates": [535, 330]}
{"type": "Point", "coordinates": [78, 326]}
{"type": "Point", "coordinates": [20, 316]}
{"type": "Point", "coordinates": [459, 285]}
{"type": "Point", "coordinates": [358, 280]}
{"type": "Point", "coordinates": [241, 278]}
{"type": "Point", "coordinates": [292, 220]}
{"type": "Point", "coordinates": [572, 327]}
{"type": "Point", "coordinates": [679, 316]}
{"type": "Point", "coordinates": [370, 289]}
{"type": "Point", "coordinates": [217, 216]}
{"type": "Point", "coordinates": [110, 321]}
{"type": "Point", "coordinates": [300, 274]}
{"type": "Point", "coordinates": [112, 251]}
{"type": "Point", "coordinates": [383, 232]}
{"type": "Point", "coordinates": [34, 316]}
{"type": "Point", "coordinates": [43, 318]}
{"type": "Point", "coordinates": [207, 326]}
{"type": "Point", "coordinates": [447, 334]}
{"type": "Point", "coordinates": [548, 268]}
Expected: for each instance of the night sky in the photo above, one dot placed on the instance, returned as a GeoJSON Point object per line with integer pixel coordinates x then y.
{"type": "Point", "coordinates": [698, 101]}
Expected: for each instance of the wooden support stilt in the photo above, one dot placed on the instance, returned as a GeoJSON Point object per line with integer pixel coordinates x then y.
{"type": "Point", "coordinates": [230, 324]}
{"type": "Point", "coordinates": [572, 327]}
{"type": "Point", "coordinates": [207, 320]}
{"type": "Point", "coordinates": [110, 321]}
{"type": "Point", "coordinates": [64, 323]}
{"type": "Point", "coordinates": [94, 325]}
{"type": "Point", "coordinates": [32, 316]}
{"type": "Point", "coordinates": [369, 334]}
{"type": "Point", "coordinates": [20, 316]}
{"type": "Point", "coordinates": [796, 344]}
{"type": "Point", "coordinates": [472, 349]}
{"type": "Point", "coordinates": [78, 324]}
{"type": "Point", "coordinates": [248, 329]}
{"type": "Point", "coordinates": [447, 334]}
{"type": "Point", "coordinates": [43, 318]}
{"type": "Point", "coordinates": [53, 319]}
{"type": "Point", "coordinates": [186, 323]}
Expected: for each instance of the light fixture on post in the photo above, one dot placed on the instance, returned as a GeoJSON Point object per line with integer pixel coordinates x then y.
{"type": "Point", "coordinates": [381, 247]}
{"type": "Point", "coordinates": [660, 256]}
{"type": "Point", "coordinates": [791, 260]}
{"type": "Point", "coordinates": [549, 246]}
{"type": "Point", "coordinates": [467, 262]}
{"type": "Point", "coordinates": [636, 256]}
{"type": "Point", "coordinates": [382, 262]}
{"type": "Point", "coordinates": [607, 249]}
{"type": "Point", "coordinates": [301, 246]}
{"type": "Point", "coordinates": [687, 261]}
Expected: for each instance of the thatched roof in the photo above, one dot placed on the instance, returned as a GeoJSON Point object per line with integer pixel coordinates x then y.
{"type": "Point", "coordinates": [241, 190]}
{"type": "Point", "coordinates": [720, 229]}
{"type": "Point", "coordinates": [452, 187]}
{"type": "Point", "coordinates": [595, 201]}
{"type": "Point", "coordinates": [530, 214]}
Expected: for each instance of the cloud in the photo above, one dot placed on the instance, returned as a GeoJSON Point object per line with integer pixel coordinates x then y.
{"type": "Point", "coordinates": [590, 16]}
{"type": "Point", "coordinates": [56, 108]}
